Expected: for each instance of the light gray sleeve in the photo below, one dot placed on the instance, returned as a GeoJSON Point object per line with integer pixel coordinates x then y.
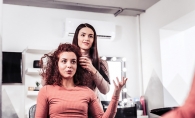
{"type": "Point", "coordinates": [102, 85]}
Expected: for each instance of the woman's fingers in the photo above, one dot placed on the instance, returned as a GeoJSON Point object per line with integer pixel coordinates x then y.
{"type": "Point", "coordinates": [117, 80]}
{"type": "Point", "coordinates": [114, 83]}
{"type": "Point", "coordinates": [125, 80]}
{"type": "Point", "coordinates": [120, 83]}
{"type": "Point", "coordinates": [84, 61]}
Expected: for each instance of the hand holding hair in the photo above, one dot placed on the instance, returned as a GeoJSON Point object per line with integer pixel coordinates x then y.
{"type": "Point", "coordinates": [86, 63]}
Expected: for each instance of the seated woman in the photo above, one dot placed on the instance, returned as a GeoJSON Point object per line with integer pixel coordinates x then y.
{"type": "Point", "coordinates": [65, 94]}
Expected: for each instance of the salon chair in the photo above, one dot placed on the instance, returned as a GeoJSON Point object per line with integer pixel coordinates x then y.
{"type": "Point", "coordinates": [32, 111]}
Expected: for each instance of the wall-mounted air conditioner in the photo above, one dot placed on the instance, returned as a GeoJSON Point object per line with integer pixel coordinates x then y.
{"type": "Point", "coordinates": [104, 30]}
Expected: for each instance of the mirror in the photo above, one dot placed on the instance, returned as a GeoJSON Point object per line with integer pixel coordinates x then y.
{"type": "Point", "coordinates": [115, 66]}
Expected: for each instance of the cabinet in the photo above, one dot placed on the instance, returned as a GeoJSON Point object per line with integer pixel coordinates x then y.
{"type": "Point", "coordinates": [124, 112]}
{"type": "Point", "coordinates": [31, 75]}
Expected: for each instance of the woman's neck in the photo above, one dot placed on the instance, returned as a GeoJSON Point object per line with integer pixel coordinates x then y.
{"type": "Point", "coordinates": [68, 83]}
{"type": "Point", "coordinates": [85, 53]}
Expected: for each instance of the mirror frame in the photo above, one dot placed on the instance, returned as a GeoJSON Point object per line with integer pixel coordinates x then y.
{"type": "Point", "coordinates": [122, 60]}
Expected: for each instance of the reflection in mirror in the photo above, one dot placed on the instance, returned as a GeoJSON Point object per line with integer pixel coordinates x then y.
{"type": "Point", "coordinates": [116, 66]}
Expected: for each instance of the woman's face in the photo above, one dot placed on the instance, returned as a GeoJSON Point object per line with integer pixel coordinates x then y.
{"type": "Point", "coordinates": [85, 38]}
{"type": "Point", "coordinates": [67, 64]}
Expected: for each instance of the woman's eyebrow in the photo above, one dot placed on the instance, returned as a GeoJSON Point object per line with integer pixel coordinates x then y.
{"type": "Point", "coordinates": [83, 32]}
{"type": "Point", "coordinates": [63, 58]}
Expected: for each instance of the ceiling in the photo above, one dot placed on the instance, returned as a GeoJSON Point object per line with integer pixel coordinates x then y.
{"type": "Point", "coordinates": [115, 7]}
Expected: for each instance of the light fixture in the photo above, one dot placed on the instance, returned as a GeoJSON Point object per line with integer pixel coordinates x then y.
{"type": "Point", "coordinates": [113, 59]}
{"type": "Point", "coordinates": [103, 58]}
{"type": "Point", "coordinates": [125, 90]}
{"type": "Point", "coordinates": [125, 100]}
{"type": "Point", "coordinates": [124, 59]}
{"type": "Point", "coordinates": [124, 69]}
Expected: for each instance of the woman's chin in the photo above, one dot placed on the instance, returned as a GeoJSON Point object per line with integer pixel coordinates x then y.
{"type": "Point", "coordinates": [85, 48]}
{"type": "Point", "coordinates": [69, 77]}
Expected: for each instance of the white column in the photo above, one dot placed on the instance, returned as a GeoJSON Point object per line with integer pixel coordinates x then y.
{"type": "Point", "coordinates": [1, 5]}
{"type": "Point", "coordinates": [1, 8]}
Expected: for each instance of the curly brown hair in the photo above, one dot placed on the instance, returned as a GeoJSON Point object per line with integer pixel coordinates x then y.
{"type": "Point", "coordinates": [50, 71]}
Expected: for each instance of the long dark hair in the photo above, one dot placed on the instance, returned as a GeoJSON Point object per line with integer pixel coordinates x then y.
{"type": "Point", "coordinates": [93, 53]}
{"type": "Point", "coordinates": [50, 71]}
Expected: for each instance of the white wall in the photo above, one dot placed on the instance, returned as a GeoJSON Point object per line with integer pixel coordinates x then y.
{"type": "Point", "coordinates": [24, 26]}
{"type": "Point", "coordinates": [178, 62]}
{"type": "Point", "coordinates": [157, 16]}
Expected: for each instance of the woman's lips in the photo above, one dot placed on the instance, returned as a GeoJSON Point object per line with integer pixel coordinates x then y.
{"type": "Point", "coordinates": [69, 71]}
{"type": "Point", "coordinates": [85, 43]}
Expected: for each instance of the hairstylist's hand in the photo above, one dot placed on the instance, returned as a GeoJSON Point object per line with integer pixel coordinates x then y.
{"type": "Point", "coordinates": [86, 63]}
{"type": "Point", "coordinates": [119, 85]}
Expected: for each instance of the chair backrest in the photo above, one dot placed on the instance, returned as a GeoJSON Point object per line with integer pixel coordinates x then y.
{"type": "Point", "coordinates": [32, 111]}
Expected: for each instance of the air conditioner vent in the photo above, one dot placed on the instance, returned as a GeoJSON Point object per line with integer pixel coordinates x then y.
{"type": "Point", "coordinates": [98, 36]}
{"type": "Point", "coordinates": [104, 37]}
{"type": "Point", "coordinates": [104, 29]}
{"type": "Point", "coordinates": [70, 34]}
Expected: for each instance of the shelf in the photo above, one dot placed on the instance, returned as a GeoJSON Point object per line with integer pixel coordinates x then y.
{"type": "Point", "coordinates": [38, 50]}
{"type": "Point", "coordinates": [32, 93]}
{"type": "Point", "coordinates": [32, 71]}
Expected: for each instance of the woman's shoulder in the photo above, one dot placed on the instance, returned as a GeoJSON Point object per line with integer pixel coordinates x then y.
{"type": "Point", "coordinates": [50, 87]}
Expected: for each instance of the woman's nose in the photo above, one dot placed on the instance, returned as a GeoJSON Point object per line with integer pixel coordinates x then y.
{"type": "Point", "coordinates": [86, 38]}
{"type": "Point", "coordinates": [69, 65]}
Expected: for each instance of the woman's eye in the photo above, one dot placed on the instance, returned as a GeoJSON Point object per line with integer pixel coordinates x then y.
{"type": "Point", "coordinates": [63, 61]}
{"type": "Point", "coordinates": [82, 35]}
{"type": "Point", "coordinates": [73, 62]}
{"type": "Point", "coordinates": [91, 36]}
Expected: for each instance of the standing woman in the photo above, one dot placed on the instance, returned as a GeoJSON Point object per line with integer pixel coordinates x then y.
{"type": "Point", "coordinates": [86, 39]}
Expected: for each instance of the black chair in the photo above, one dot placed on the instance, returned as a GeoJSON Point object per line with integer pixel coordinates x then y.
{"type": "Point", "coordinates": [162, 111]}
{"type": "Point", "coordinates": [126, 112]}
{"type": "Point", "coordinates": [32, 111]}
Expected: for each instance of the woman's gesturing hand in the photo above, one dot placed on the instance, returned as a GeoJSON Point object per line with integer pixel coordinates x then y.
{"type": "Point", "coordinates": [119, 85]}
{"type": "Point", "coordinates": [87, 64]}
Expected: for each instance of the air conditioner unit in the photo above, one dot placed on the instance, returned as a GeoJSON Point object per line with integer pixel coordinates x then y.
{"type": "Point", "coordinates": [104, 30]}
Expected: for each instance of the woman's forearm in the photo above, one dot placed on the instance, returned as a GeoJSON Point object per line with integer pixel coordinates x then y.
{"type": "Point", "coordinates": [101, 83]}
{"type": "Point", "coordinates": [112, 108]}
